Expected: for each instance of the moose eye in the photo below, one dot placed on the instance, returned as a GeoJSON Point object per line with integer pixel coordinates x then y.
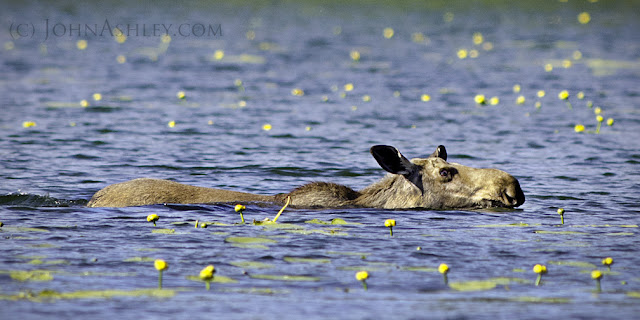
{"type": "Point", "coordinates": [444, 172]}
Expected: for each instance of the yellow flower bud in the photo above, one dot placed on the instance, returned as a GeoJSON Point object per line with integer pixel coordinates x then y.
{"type": "Point", "coordinates": [599, 118]}
{"type": "Point", "coordinates": [348, 87]}
{"type": "Point", "coordinates": [362, 275]}
{"type": "Point", "coordinates": [607, 261]}
{"type": "Point", "coordinates": [181, 95]}
{"type": "Point", "coordinates": [610, 121]}
{"type": "Point", "coordinates": [153, 218]}
{"type": "Point", "coordinates": [443, 268]}
{"type": "Point", "coordinates": [540, 269]}
{"type": "Point", "coordinates": [355, 55]}
{"type": "Point", "coordinates": [390, 223]}
{"type": "Point", "coordinates": [480, 99]}
{"type": "Point", "coordinates": [578, 128]}
{"type": "Point", "coordinates": [160, 265]}
{"type": "Point", "coordinates": [520, 100]}
{"type": "Point", "coordinates": [207, 273]}
{"type": "Point", "coordinates": [563, 95]}
{"type": "Point", "coordinates": [560, 211]}
{"type": "Point", "coordinates": [596, 274]}
{"type": "Point", "coordinates": [240, 207]}
{"type": "Point", "coordinates": [597, 110]}
{"type": "Point", "coordinates": [28, 124]}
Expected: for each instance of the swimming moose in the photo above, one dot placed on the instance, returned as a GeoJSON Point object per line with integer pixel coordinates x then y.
{"type": "Point", "coordinates": [430, 183]}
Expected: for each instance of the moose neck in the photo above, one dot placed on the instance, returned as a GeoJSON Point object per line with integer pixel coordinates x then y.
{"type": "Point", "coordinates": [393, 191]}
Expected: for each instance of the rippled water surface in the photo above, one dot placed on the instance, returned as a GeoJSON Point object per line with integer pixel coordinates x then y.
{"type": "Point", "coordinates": [330, 80]}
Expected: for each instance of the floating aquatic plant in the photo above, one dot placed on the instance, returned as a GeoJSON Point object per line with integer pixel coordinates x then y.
{"type": "Point", "coordinates": [608, 261]}
{"type": "Point", "coordinates": [540, 270]}
{"type": "Point", "coordinates": [561, 213]}
{"type": "Point", "coordinates": [444, 270]}
{"type": "Point", "coordinates": [578, 128]}
{"type": "Point", "coordinates": [28, 124]}
{"type": "Point", "coordinates": [564, 95]}
{"type": "Point", "coordinates": [390, 223]}
{"type": "Point", "coordinates": [355, 55]}
{"type": "Point", "coordinates": [610, 121]}
{"type": "Point", "coordinates": [239, 209]}
{"type": "Point", "coordinates": [362, 276]}
{"type": "Point", "coordinates": [600, 119]}
{"type": "Point", "coordinates": [206, 275]}
{"type": "Point", "coordinates": [181, 95]}
{"type": "Point", "coordinates": [597, 275]}
{"type": "Point", "coordinates": [480, 99]}
{"type": "Point", "coordinates": [161, 266]}
{"type": "Point", "coordinates": [153, 218]}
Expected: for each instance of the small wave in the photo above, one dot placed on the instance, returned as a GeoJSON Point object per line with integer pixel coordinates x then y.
{"type": "Point", "coordinates": [34, 200]}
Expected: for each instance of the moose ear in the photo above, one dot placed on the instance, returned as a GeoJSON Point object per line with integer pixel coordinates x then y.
{"type": "Point", "coordinates": [440, 152]}
{"type": "Point", "coordinates": [391, 160]}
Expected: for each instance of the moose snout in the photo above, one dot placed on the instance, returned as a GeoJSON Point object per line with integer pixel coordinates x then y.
{"type": "Point", "coordinates": [512, 195]}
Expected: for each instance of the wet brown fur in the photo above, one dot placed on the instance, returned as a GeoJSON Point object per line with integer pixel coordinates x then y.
{"type": "Point", "coordinates": [419, 183]}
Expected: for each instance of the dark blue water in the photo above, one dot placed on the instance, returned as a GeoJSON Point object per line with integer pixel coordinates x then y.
{"type": "Point", "coordinates": [242, 76]}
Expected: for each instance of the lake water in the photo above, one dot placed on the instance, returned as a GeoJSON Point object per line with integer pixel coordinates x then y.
{"type": "Point", "coordinates": [330, 80]}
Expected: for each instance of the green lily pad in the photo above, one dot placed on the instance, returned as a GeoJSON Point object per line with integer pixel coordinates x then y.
{"type": "Point", "coordinates": [541, 300]}
{"type": "Point", "coordinates": [284, 277]}
{"type": "Point", "coordinates": [250, 246]}
{"type": "Point", "coordinates": [216, 279]}
{"type": "Point", "coordinates": [23, 229]}
{"type": "Point", "coordinates": [306, 260]}
{"type": "Point", "coordinates": [286, 226]}
{"type": "Point", "coordinates": [249, 240]}
{"type": "Point", "coordinates": [420, 269]}
{"type": "Point", "coordinates": [578, 264]}
{"type": "Point", "coordinates": [47, 295]}
{"type": "Point", "coordinates": [39, 261]}
{"type": "Point", "coordinates": [34, 275]}
{"type": "Point", "coordinates": [337, 221]}
{"type": "Point", "coordinates": [164, 231]}
{"type": "Point", "coordinates": [483, 285]}
{"type": "Point", "coordinates": [251, 265]}
{"type": "Point", "coordinates": [329, 232]}
{"type": "Point", "coordinates": [139, 259]}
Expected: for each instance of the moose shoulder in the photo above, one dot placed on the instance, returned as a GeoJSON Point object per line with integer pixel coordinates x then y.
{"type": "Point", "coordinates": [431, 183]}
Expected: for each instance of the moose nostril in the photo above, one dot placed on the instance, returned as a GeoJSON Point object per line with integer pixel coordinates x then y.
{"type": "Point", "coordinates": [513, 196]}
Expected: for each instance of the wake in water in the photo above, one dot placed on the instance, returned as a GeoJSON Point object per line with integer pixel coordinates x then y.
{"type": "Point", "coordinates": [34, 200]}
